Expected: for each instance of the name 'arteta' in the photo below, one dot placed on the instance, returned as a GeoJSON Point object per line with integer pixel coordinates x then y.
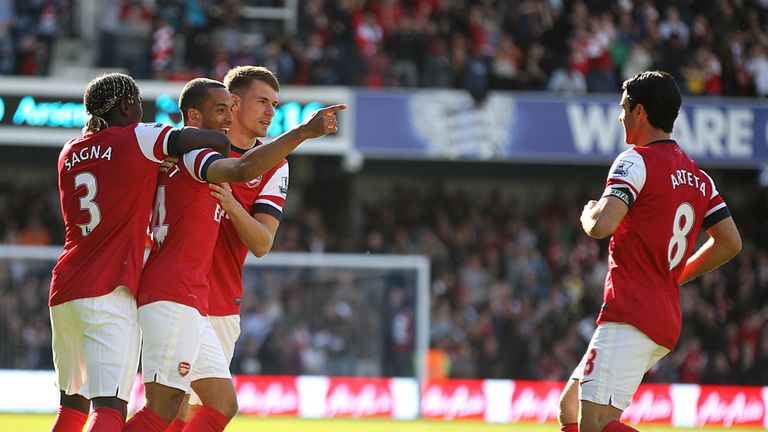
{"type": "Point", "coordinates": [683, 177]}
{"type": "Point", "coordinates": [87, 153]}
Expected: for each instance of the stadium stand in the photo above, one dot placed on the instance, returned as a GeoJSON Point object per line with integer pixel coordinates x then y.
{"type": "Point", "coordinates": [713, 47]}
{"type": "Point", "coordinates": [503, 274]}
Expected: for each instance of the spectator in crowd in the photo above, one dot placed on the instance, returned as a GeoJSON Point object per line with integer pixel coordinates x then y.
{"type": "Point", "coordinates": [514, 293]}
{"type": "Point", "coordinates": [490, 46]}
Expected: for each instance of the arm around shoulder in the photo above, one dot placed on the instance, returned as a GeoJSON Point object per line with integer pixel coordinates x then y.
{"type": "Point", "coordinates": [191, 138]}
{"type": "Point", "coordinates": [724, 243]}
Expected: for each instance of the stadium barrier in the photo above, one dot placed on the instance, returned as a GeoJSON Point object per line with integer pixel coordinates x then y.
{"type": "Point", "coordinates": [497, 401]}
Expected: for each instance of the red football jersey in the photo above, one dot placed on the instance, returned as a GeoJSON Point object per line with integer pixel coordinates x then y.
{"type": "Point", "coordinates": [185, 225]}
{"type": "Point", "coordinates": [670, 199]}
{"type": "Point", "coordinates": [265, 194]}
{"type": "Point", "coordinates": [106, 184]}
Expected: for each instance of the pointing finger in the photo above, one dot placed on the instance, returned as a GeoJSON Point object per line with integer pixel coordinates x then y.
{"type": "Point", "coordinates": [333, 108]}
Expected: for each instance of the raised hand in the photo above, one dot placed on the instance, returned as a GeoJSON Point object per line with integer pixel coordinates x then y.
{"type": "Point", "coordinates": [322, 122]}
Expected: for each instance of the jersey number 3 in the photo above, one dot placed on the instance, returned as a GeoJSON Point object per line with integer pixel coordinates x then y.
{"type": "Point", "coordinates": [681, 226]}
{"type": "Point", "coordinates": [86, 202]}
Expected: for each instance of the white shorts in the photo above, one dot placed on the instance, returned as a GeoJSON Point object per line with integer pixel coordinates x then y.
{"type": "Point", "coordinates": [96, 345]}
{"type": "Point", "coordinates": [172, 334]}
{"type": "Point", "coordinates": [227, 330]}
{"type": "Point", "coordinates": [616, 360]}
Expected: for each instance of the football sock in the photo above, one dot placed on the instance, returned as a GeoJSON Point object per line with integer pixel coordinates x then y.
{"type": "Point", "coordinates": [617, 426]}
{"type": "Point", "coordinates": [176, 425]}
{"type": "Point", "coordinates": [145, 420]}
{"type": "Point", "coordinates": [69, 420]}
{"type": "Point", "coordinates": [569, 427]}
{"type": "Point", "coordinates": [207, 419]}
{"type": "Point", "coordinates": [105, 419]}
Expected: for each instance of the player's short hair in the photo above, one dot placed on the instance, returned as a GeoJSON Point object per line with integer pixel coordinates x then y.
{"type": "Point", "coordinates": [239, 78]}
{"type": "Point", "coordinates": [659, 94]}
{"type": "Point", "coordinates": [103, 93]}
{"type": "Point", "coordinates": [195, 93]}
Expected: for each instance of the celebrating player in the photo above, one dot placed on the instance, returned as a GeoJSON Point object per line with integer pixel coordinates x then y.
{"type": "Point", "coordinates": [253, 209]}
{"type": "Point", "coordinates": [107, 179]}
{"type": "Point", "coordinates": [655, 202]}
{"type": "Point", "coordinates": [173, 293]}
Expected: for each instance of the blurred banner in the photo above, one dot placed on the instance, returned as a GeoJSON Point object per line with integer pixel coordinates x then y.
{"type": "Point", "coordinates": [496, 401]}
{"type": "Point", "coordinates": [424, 124]}
{"type": "Point", "coordinates": [545, 128]}
{"type": "Point", "coordinates": [49, 112]}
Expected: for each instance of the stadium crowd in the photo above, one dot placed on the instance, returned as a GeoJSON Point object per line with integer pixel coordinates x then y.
{"type": "Point", "coordinates": [515, 291]}
{"type": "Point", "coordinates": [714, 47]}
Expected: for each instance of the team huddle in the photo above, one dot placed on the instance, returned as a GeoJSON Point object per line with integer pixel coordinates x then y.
{"type": "Point", "coordinates": [210, 192]}
{"type": "Point", "coordinates": [181, 308]}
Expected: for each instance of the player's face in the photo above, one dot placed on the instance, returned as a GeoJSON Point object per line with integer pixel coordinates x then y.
{"type": "Point", "coordinates": [217, 110]}
{"type": "Point", "coordinates": [255, 108]}
{"type": "Point", "coordinates": [626, 119]}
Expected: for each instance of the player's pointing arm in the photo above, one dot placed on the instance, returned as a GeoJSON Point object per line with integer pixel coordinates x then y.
{"type": "Point", "coordinates": [261, 159]}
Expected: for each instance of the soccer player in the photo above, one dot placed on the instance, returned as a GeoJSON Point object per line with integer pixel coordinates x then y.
{"type": "Point", "coordinates": [253, 209]}
{"type": "Point", "coordinates": [107, 179]}
{"type": "Point", "coordinates": [655, 202]}
{"type": "Point", "coordinates": [173, 293]}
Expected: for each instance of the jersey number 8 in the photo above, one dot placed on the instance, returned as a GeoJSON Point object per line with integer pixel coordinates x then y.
{"type": "Point", "coordinates": [681, 226]}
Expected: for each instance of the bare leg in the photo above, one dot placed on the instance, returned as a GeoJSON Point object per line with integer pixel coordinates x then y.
{"type": "Point", "coordinates": [75, 402]}
{"type": "Point", "coordinates": [163, 400]}
{"type": "Point", "coordinates": [594, 416]}
{"type": "Point", "coordinates": [183, 413]}
{"type": "Point", "coordinates": [217, 393]}
{"type": "Point", "coordinates": [568, 410]}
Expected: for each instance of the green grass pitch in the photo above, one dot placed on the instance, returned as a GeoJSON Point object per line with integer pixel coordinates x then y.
{"type": "Point", "coordinates": [42, 422]}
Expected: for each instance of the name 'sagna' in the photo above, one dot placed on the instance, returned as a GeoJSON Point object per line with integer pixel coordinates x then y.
{"type": "Point", "coordinates": [87, 153]}
{"type": "Point", "coordinates": [683, 177]}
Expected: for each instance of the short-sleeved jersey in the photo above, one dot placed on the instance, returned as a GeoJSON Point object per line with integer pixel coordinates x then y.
{"type": "Point", "coordinates": [106, 184]}
{"type": "Point", "coordinates": [670, 199]}
{"type": "Point", "coordinates": [184, 228]}
{"type": "Point", "coordinates": [264, 194]}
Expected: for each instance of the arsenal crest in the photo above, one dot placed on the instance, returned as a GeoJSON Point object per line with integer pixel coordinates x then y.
{"type": "Point", "coordinates": [183, 368]}
{"type": "Point", "coordinates": [254, 183]}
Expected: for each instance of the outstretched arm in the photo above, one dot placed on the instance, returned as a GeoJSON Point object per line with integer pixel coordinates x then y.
{"type": "Point", "coordinates": [723, 244]}
{"type": "Point", "coordinates": [261, 159]}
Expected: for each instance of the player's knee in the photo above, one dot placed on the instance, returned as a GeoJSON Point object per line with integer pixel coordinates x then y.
{"type": "Point", "coordinates": [76, 402]}
{"type": "Point", "coordinates": [227, 404]}
{"type": "Point", "coordinates": [593, 422]}
{"type": "Point", "coordinates": [166, 405]}
{"type": "Point", "coordinates": [230, 408]}
{"type": "Point", "coordinates": [567, 413]}
{"type": "Point", "coordinates": [590, 425]}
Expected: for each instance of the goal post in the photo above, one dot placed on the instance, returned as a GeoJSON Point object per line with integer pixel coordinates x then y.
{"type": "Point", "coordinates": [363, 282]}
{"type": "Point", "coordinates": [419, 264]}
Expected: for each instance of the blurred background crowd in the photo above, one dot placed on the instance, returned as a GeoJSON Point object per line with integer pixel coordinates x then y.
{"type": "Point", "coordinates": [714, 47]}
{"type": "Point", "coordinates": [515, 290]}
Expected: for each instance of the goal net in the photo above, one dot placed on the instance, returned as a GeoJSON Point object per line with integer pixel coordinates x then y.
{"type": "Point", "coordinates": [302, 313]}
